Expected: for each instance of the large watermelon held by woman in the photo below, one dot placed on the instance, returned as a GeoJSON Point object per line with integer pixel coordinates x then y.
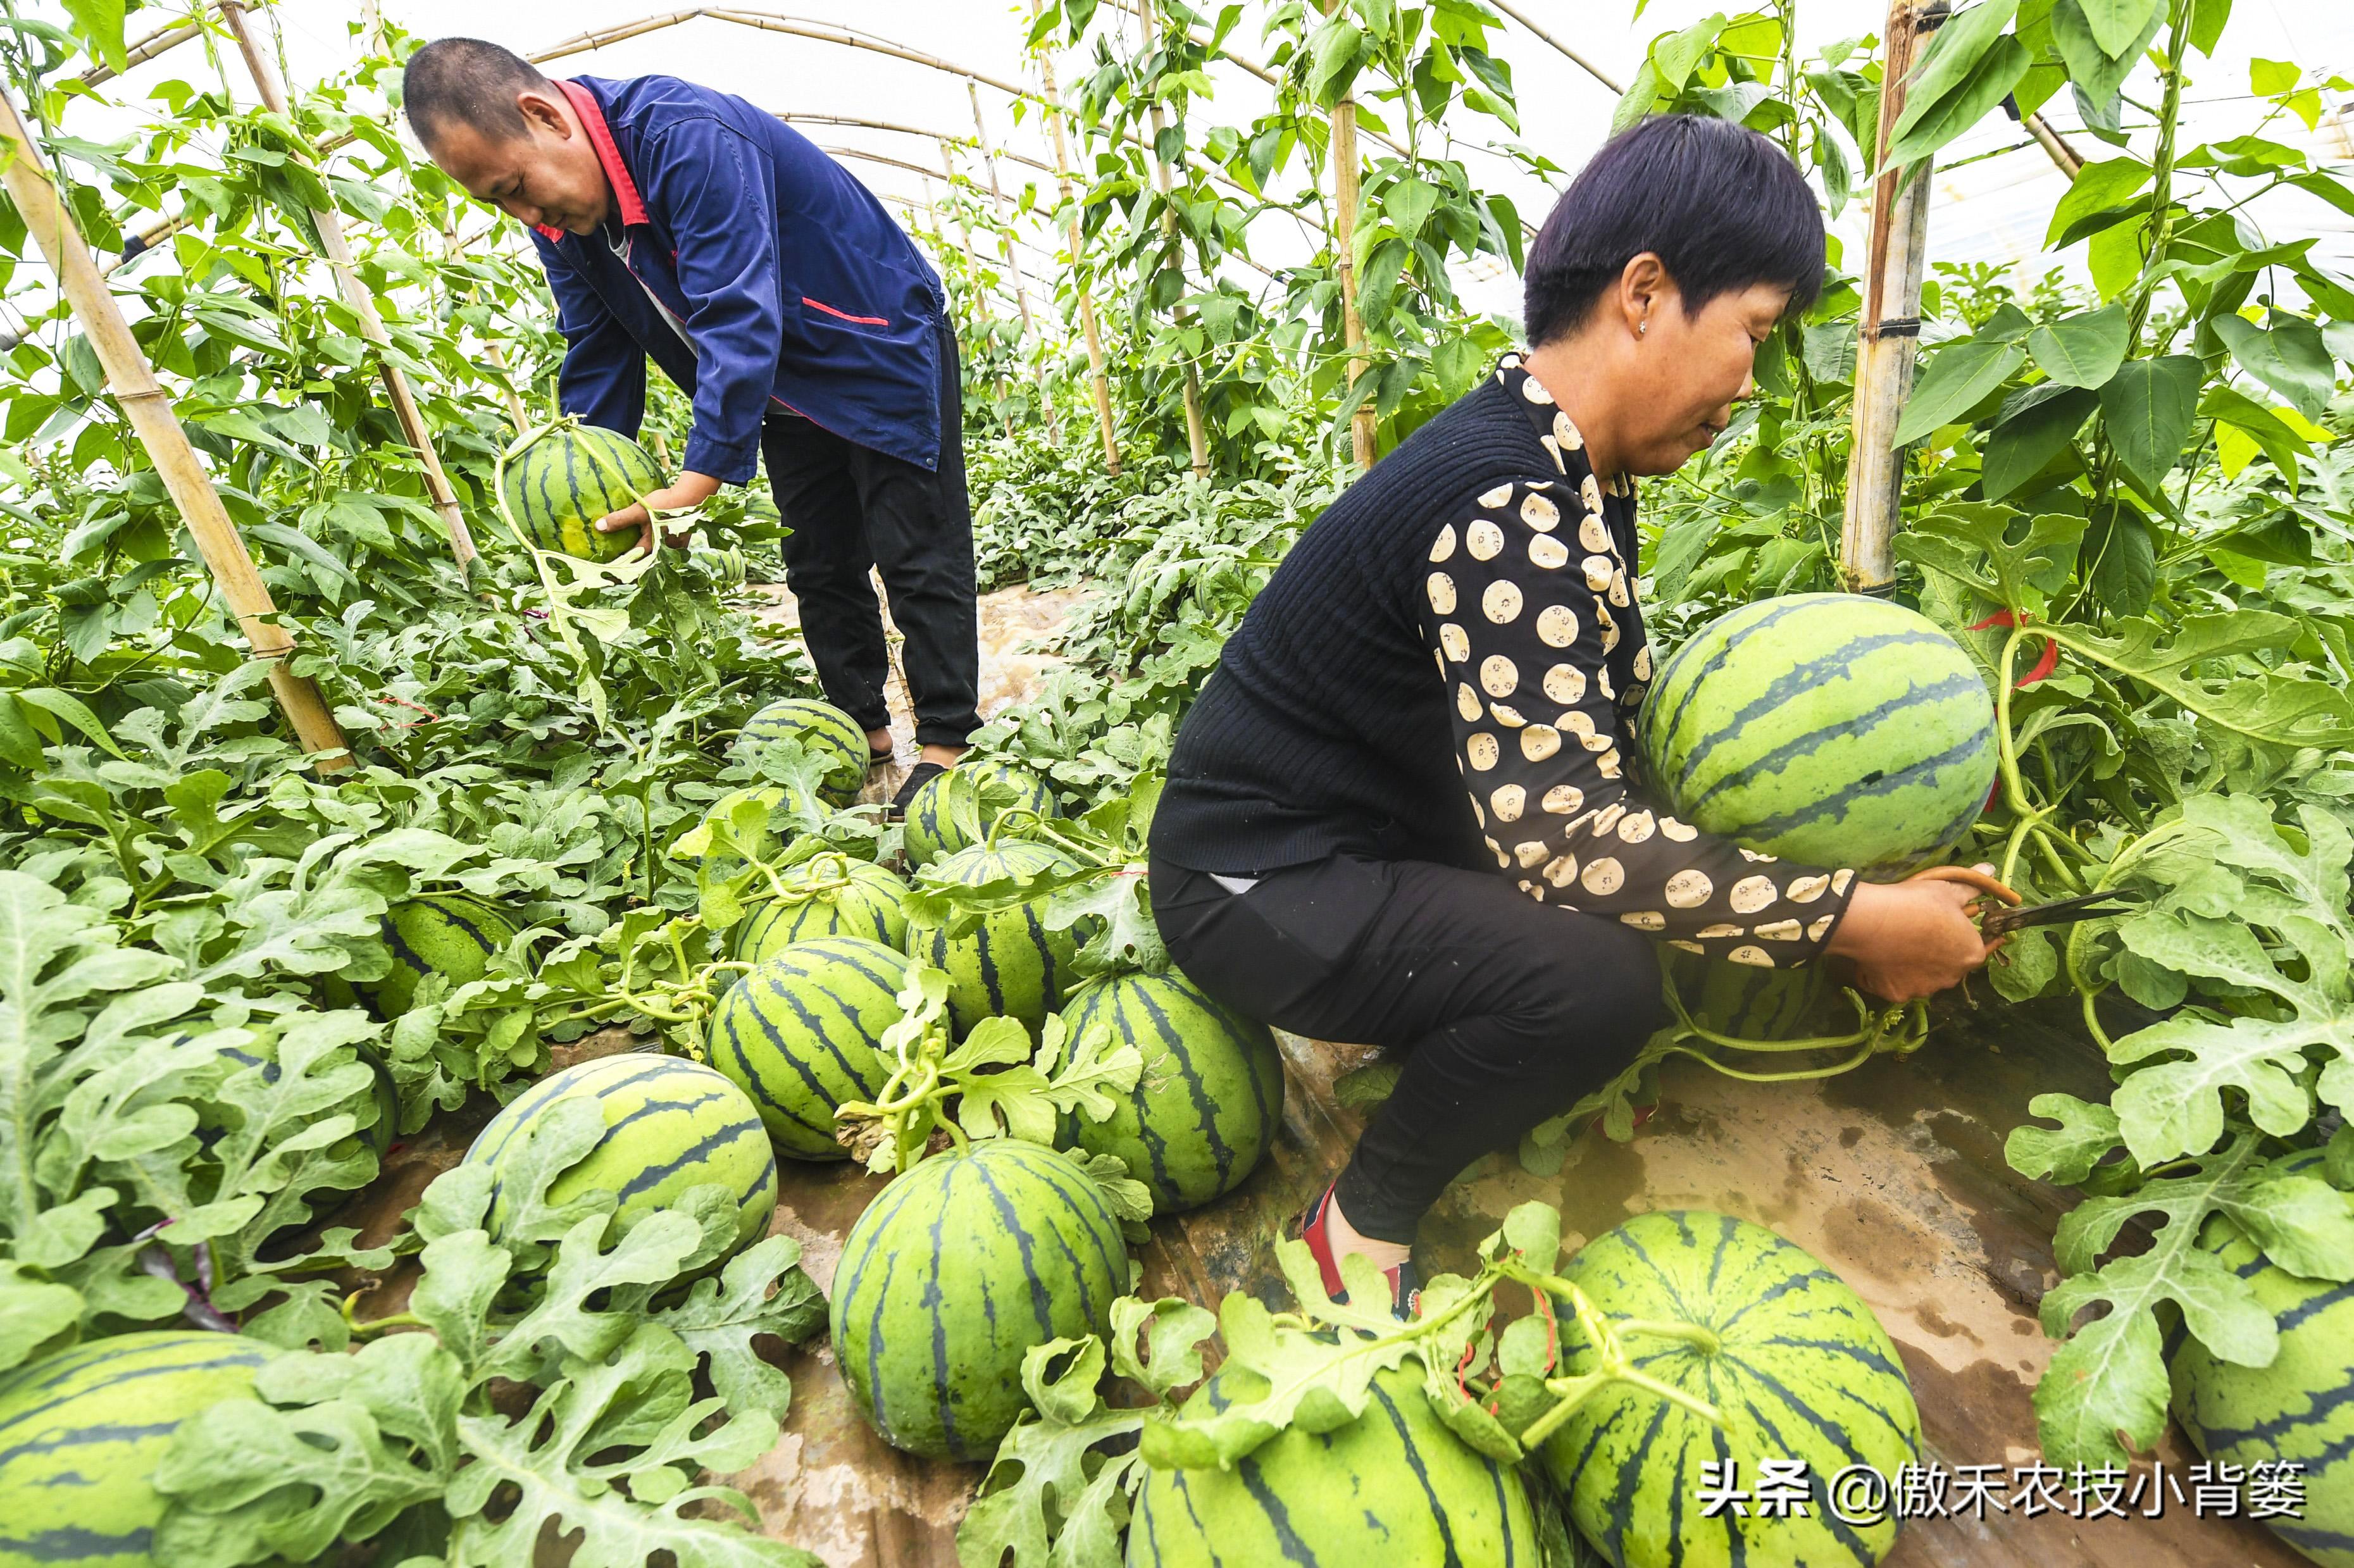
{"type": "Point", "coordinates": [1208, 1101]}
{"type": "Point", "coordinates": [826, 733]}
{"type": "Point", "coordinates": [1393, 1489]}
{"type": "Point", "coordinates": [82, 1431]}
{"type": "Point", "coordinates": [803, 1033]}
{"type": "Point", "coordinates": [1011, 965]}
{"type": "Point", "coordinates": [452, 934]}
{"type": "Point", "coordinates": [1800, 1370]}
{"type": "Point", "coordinates": [2299, 1409]}
{"type": "Point", "coordinates": [669, 1125]}
{"type": "Point", "coordinates": [559, 485]}
{"type": "Point", "coordinates": [946, 817]}
{"type": "Point", "coordinates": [1828, 727]}
{"type": "Point", "coordinates": [831, 896]}
{"type": "Point", "coordinates": [948, 1278]}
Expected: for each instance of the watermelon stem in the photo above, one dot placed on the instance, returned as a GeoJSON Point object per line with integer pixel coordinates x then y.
{"type": "Point", "coordinates": [1616, 1364]}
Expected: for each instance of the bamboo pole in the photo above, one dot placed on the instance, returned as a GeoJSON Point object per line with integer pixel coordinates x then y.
{"type": "Point", "coordinates": [1889, 327]}
{"type": "Point", "coordinates": [140, 52]}
{"type": "Point", "coordinates": [2063, 157]}
{"type": "Point", "coordinates": [1088, 326]}
{"type": "Point", "coordinates": [972, 266]}
{"type": "Point", "coordinates": [1197, 435]}
{"type": "Point", "coordinates": [1345, 193]}
{"type": "Point", "coordinates": [1012, 261]}
{"type": "Point", "coordinates": [155, 421]}
{"type": "Point", "coordinates": [1517, 15]}
{"type": "Point", "coordinates": [363, 307]}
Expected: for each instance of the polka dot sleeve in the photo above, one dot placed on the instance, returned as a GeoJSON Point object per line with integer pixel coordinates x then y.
{"type": "Point", "coordinates": [1519, 599]}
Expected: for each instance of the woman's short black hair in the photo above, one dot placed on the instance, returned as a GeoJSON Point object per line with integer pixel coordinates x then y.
{"type": "Point", "coordinates": [1722, 207]}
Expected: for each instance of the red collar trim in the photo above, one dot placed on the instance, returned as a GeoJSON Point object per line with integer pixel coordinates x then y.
{"type": "Point", "coordinates": [600, 136]}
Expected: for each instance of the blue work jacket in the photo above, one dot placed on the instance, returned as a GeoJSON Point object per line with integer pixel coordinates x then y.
{"type": "Point", "coordinates": [749, 266]}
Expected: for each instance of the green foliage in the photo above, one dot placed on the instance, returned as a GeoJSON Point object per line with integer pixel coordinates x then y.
{"type": "Point", "coordinates": [406, 1439]}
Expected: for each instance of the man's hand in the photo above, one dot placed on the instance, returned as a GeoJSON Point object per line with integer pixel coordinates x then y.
{"type": "Point", "coordinates": [691, 490]}
{"type": "Point", "coordinates": [1910, 940]}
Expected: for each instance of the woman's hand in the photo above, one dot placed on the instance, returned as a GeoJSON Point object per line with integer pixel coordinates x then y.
{"type": "Point", "coordinates": [1909, 940]}
{"type": "Point", "coordinates": [691, 490]}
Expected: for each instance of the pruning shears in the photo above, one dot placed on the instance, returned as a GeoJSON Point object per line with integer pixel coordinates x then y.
{"type": "Point", "coordinates": [2001, 911]}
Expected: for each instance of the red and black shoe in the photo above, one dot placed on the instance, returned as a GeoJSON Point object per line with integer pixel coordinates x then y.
{"type": "Point", "coordinates": [1311, 1227]}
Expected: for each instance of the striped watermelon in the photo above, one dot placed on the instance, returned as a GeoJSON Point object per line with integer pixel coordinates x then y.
{"type": "Point", "coordinates": [1829, 727]}
{"type": "Point", "coordinates": [1011, 965]}
{"type": "Point", "coordinates": [2300, 1408]}
{"type": "Point", "coordinates": [828, 896]}
{"type": "Point", "coordinates": [946, 817]}
{"type": "Point", "coordinates": [964, 1263]}
{"type": "Point", "coordinates": [802, 1033]}
{"type": "Point", "coordinates": [452, 933]}
{"type": "Point", "coordinates": [1802, 1371]}
{"type": "Point", "coordinates": [670, 1124]}
{"type": "Point", "coordinates": [82, 1431]}
{"type": "Point", "coordinates": [824, 731]}
{"type": "Point", "coordinates": [558, 486]}
{"type": "Point", "coordinates": [1211, 1095]}
{"type": "Point", "coordinates": [1393, 1489]}
{"type": "Point", "coordinates": [1751, 1004]}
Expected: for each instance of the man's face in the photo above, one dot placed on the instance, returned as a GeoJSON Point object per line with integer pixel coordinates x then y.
{"type": "Point", "coordinates": [547, 174]}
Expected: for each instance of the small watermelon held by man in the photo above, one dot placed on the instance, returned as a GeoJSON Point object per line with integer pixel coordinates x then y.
{"type": "Point", "coordinates": [824, 731]}
{"type": "Point", "coordinates": [1794, 1361]}
{"type": "Point", "coordinates": [956, 809]}
{"type": "Point", "coordinates": [950, 1278]}
{"type": "Point", "coordinates": [803, 1033]}
{"type": "Point", "coordinates": [82, 1431]}
{"type": "Point", "coordinates": [1393, 1489]}
{"type": "Point", "coordinates": [670, 1124]}
{"type": "Point", "coordinates": [1208, 1101]}
{"type": "Point", "coordinates": [1829, 727]}
{"type": "Point", "coordinates": [2298, 1409]}
{"type": "Point", "coordinates": [557, 487]}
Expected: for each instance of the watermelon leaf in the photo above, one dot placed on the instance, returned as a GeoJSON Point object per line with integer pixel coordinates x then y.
{"type": "Point", "coordinates": [2087, 1132]}
{"type": "Point", "coordinates": [762, 1291]}
{"type": "Point", "coordinates": [2281, 709]}
{"type": "Point", "coordinates": [1051, 1498]}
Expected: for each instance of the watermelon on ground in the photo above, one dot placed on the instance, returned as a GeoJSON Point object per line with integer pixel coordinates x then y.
{"type": "Point", "coordinates": [670, 1124]}
{"type": "Point", "coordinates": [453, 934]}
{"type": "Point", "coordinates": [824, 731]}
{"type": "Point", "coordinates": [1800, 1369]}
{"type": "Point", "coordinates": [1830, 728]}
{"type": "Point", "coordinates": [82, 1431]}
{"type": "Point", "coordinates": [1747, 1002]}
{"type": "Point", "coordinates": [557, 487]}
{"type": "Point", "coordinates": [1209, 1100]}
{"type": "Point", "coordinates": [2300, 1408]}
{"type": "Point", "coordinates": [803, 1033]}
{"type": "Point", "coordinates": [829, 896]}
{"type": "Point", "coordinates": [1011, 965]}
{"type": "Point", "coordinates": [948, 1278]}
{"type": "Point", "coordinates": [956, 809]}
{"type": "Point", "coordinates": [1393, 1489]}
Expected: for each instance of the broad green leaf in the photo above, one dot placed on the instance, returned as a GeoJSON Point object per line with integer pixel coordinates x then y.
{"type": "Point", "coordinates": [1956, 380]}
{"type": "Point", "coordinates": [2116, 24]}
{"type": "Point", "coordinates": [2262, 427]}
{"type": "Point", "coordinates": [1971, 543]}
{"type": "Point", "coordinates": [2290, 358]}
{"type": "Point", "coordinates": [2082, 350]}
{"type": "Point", "coordinates": [1043, 1502]}
{"type": "Point", "coordinates": [762, 1291]}
{"type": "Point", "coordinates": [2148, 409]}
{"type": "Point", "coordinates": [2036, 427]}
{"type": "Point", "coordinates": [2098, 187]}
{"type": "Point", "coordinates": [100, 23]}
{"type": "Point", "coordinates": [1928, 125]}
{"type": "Point", "coordinates": [2098, 71]}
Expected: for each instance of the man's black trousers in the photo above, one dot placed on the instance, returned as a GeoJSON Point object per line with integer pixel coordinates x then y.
{"type": "Point", "coordinates": [851, 510]}
{"type": "Point", "coordinates": [1508, 1010]}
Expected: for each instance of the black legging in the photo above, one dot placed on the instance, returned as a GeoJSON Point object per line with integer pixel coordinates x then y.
{"type": "Point", "coordinates": [1509, 1010]}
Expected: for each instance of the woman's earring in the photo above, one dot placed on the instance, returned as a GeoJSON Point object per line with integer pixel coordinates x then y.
{"type": "Point", "coordinates": [1642, 326]}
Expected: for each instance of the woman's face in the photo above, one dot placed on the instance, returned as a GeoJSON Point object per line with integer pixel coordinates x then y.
{"type": "Point", "coordinates": [1691, 369]}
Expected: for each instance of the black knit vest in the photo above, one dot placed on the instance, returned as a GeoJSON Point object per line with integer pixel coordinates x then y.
{"type": "Point", "coordinates": [1325, 727]}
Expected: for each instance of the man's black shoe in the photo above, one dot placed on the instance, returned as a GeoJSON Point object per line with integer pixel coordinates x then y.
{"type": "Point", "coordinates": [921, 774]}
